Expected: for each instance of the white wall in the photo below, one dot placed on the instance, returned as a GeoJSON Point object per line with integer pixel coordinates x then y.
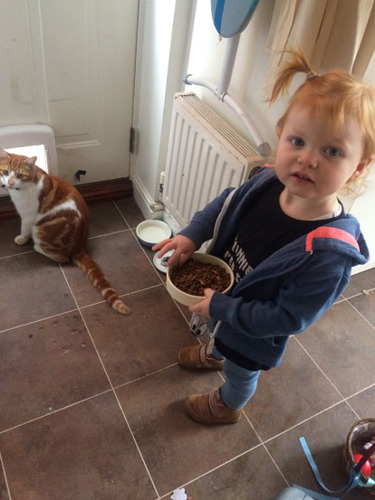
{"type": "Point", "coordinates": [161, 54]}
{"type": "Point", "coordinates": [363, 209]}
{"type": "Point", "coordinates": [207, 57]}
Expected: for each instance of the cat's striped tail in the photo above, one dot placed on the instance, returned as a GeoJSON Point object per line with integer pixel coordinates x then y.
{"type": "Point", "coordinates": [94, 273]}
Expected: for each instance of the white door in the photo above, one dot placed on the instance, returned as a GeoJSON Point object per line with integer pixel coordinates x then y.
{"type": "Point", "coordinates": [70, 64]}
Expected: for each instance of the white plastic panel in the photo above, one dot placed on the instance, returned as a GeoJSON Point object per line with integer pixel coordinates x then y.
{"type": "Point", "coordinates": [22, 136]}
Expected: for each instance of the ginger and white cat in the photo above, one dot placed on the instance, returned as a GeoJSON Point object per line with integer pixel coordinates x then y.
{"type": "Point", "coordinates": [55, 216]}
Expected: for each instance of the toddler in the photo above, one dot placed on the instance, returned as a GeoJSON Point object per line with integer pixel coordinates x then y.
{"type": "Point", "coordinates": [284, 233]}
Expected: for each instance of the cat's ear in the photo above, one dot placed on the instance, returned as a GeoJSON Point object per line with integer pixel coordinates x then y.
{"type": "Point", "coordinates": [3, 153]}
{"type": "Point", "coordinates": [30, 162]}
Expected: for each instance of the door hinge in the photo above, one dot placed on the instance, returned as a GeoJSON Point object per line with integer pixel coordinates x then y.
{"type": "Point", "coordinates": [132, 140]}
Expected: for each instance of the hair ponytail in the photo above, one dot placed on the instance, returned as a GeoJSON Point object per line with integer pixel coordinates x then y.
{"type": "Point", "coordinates": [296, 64]}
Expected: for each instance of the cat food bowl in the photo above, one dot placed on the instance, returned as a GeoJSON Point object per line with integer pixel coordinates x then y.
{"type": "Point", "coordinates": [185, 283]}
{"type": "Point", "coordinates": [152, 231]}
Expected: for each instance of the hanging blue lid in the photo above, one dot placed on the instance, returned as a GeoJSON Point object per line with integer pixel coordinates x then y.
{"type": "Point", "coordinates": [232, 16]}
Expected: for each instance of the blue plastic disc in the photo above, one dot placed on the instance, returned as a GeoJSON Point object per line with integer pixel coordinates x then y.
{"type": "Point", "coordinates": [232, 16]}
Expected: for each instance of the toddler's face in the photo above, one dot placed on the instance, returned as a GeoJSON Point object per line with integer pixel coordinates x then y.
{"type": "Point", "coordinates": [312, 160]}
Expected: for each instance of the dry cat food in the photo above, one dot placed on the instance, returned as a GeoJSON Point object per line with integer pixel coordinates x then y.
{"type": "Point", "coordinates": [194, 276]}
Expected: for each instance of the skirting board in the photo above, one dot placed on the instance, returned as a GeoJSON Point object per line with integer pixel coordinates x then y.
{"type": "Point", "coordinates": [95, 192]}
{"type": "Point", "coordinates": [150, 208]}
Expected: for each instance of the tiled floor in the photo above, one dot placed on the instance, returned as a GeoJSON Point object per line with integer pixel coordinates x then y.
{"type": "Point", "coordinates": [91, 401]}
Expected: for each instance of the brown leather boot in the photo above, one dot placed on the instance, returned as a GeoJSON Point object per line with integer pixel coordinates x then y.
{"type": "Point", "coordinates": [210, 409]}
{"type": "Point", "coordinates": [195, 358]}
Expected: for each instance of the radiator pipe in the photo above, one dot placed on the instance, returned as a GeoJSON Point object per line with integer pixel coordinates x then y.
{"type": "Point", "coordinates": [201, 82]}
{"type": "Point", "coordinates": [263, 147]}
{"type": "Point", "coordinates": [230, 56]}
{"type": "Point", "coordinates": [221, 93]}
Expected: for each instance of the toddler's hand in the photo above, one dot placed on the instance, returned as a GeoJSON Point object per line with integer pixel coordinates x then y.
{"type": "Point", "coordinates": [203, 306]}
{"type": "Point", "coordinates": [183, 249]}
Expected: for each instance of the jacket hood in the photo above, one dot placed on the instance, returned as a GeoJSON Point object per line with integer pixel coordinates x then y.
{"type": "Point", "coordinates": [343, 236]}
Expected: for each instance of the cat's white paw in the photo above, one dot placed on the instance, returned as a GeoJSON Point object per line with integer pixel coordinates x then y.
{"type": "Point", "coordinates": [21, 240]}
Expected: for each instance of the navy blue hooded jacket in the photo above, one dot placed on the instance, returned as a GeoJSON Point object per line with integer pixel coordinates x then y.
{"type": "Point", "coordinates": [288, 291]}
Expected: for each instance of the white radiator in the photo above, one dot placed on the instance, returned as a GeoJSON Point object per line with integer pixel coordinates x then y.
{"type": "Point", "coordinates": [205, 155]}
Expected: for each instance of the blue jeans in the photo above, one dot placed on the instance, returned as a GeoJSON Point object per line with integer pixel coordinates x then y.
{"type": "Point", "coordinates": [240, 384]}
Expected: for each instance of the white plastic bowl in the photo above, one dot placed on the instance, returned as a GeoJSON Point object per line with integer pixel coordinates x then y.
{"type": "Point", "coordinates": [187, 299]}
{"type": "Point", "coordinates": [152, 231]}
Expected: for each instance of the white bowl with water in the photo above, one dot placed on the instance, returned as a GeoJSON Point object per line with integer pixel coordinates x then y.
{"type": "Point", "coordinates": [152, 231]}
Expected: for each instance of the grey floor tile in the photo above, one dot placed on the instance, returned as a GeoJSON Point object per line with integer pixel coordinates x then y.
{"type": "Point", "coordinates": [130, 211]}
{"type": "Point", "coordinates": [32, 287]}
{"type": "Point", "coordinates": [46, 366]}
{"type": "Point", "coordinates": [359, 282]}
{"type": "Point", "coordinates": [365, 305]}
{"type": "Point", "coordinates": [145, 341]}
{"type": "Point", "coordinates": [106, 218]}
{"type": "Point", "coordinates": [125, 266]}
{"type": "Point", "coordinates": [363, 403]}
{"type": "Point", "coordinates": [168, 439]}
{"type": "Point", "coordinates": [341, 343]}
{"type": "Point", "coordinates": [289, 394]}
{"type": "Point", "coordinates": [9, 230]}
{"type": "Point", "coordinates": [85, 452]}
{"type": "Point", "coordinates": [250, 476]}
{"type": "Point", "coordinates": [3, 486]}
